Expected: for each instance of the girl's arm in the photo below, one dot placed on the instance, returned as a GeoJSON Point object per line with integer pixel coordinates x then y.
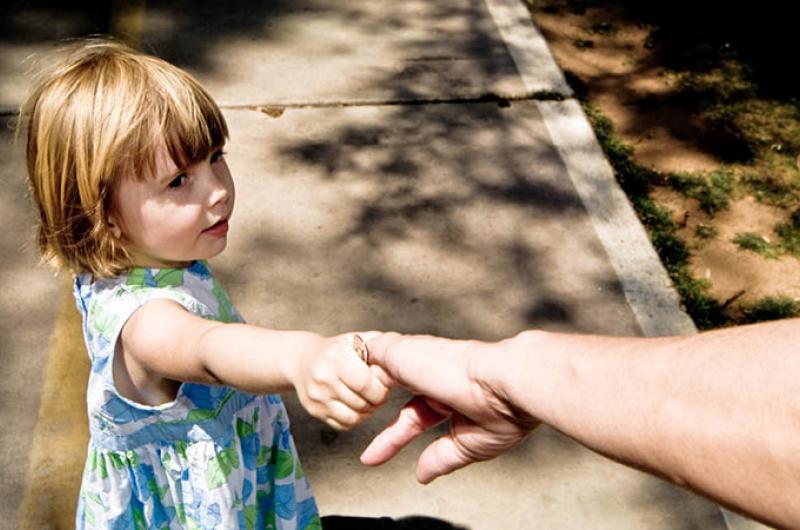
{"type": "Point", "coordinates": [163, 342]}
{"type": "Point", "coordinates": [717, 412]}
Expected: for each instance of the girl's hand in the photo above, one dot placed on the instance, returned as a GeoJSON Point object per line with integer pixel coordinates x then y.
{"type": "Point", "coordinates": [334, 385]}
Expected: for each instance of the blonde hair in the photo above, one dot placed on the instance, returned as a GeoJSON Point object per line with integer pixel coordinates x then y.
{"type": "Point", "coordinates": [101, 114]}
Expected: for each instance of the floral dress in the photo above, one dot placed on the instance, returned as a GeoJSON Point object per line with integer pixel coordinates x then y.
{"type": "Point", "coordinates": [215, 457]}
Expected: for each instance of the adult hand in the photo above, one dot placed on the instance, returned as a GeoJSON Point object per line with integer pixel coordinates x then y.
{"type": "Point", "coordinates": [451, 379]}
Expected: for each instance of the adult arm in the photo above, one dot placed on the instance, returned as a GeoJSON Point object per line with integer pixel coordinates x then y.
{"type": "Point", "coordinates": [717, 412]}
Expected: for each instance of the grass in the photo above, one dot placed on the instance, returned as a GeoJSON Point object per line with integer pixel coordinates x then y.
{"type": "Point", "coordinates": [583, 44]}
{"type": "Point", "coordinates": [789, 234]}
{"type": "Point", "coordinates": [770, 308]}
{"type": "Point", "coordinates": [706, 231]}
{"type": "Point", "coordinates": [756, 243]}
{"type": "Point", "coordinates": [602, 27]}
{"type": "Point", "coordinates": [773, 190]}
{"type": "Point", "coordinates": [713, 192]}
{"type": "Point", "coordinates": [743, 113]}
{"type": "Point", "coordinates": [636, 181]}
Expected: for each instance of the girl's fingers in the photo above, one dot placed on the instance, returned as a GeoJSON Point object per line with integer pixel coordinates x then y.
{"type": "Point", "coordinates": [382, 375]}
{"type": "Point", "coordinates": [363, 381]}
{"type": "Point", "coordinates": [341, 417]}
{"type": "Point", "coordinates": [415, 418]}
{"type": "Point", "coordinates": [333, 424]}
{"type": "Point", "coordinates": [375, 392]}
{"type": "Point", "coordinates": [351, 399]}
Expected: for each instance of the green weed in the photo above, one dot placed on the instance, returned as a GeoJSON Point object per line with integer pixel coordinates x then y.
{"type": "Point", "coordinates": [704, 231]}
{"type": "Point", "coordinates": [712, 192]}
{"type": "Point", "coordinates": [770, 308]}
{"type": "Point", "coordinates": [733, 118]}
{"type": "Point", "coordinates": [756, 243]}
{"type": "Point", "coordinates": [636, 181]}
{"type": "Point", "coordinates": [773, 190]}
{"type": "Point", "coordinates": [706, 312]}
{"type": "Point", "coordinates": [602, 28]}
{"type": "Point", "coordinates": [789, 234]}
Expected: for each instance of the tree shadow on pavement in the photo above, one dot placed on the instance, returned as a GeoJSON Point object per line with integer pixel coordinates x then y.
{"type": "Point", "coordinates": [182, 32]}
{"type": "Point", "coordinates": [471, 199]}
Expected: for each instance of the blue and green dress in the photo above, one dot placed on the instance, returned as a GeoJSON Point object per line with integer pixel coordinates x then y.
{"type": "Point", "coordinates": [215, 457]}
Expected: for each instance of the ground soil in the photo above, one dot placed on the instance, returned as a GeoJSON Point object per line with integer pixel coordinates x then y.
{"type": "Point", "coordinates": [630, 84]}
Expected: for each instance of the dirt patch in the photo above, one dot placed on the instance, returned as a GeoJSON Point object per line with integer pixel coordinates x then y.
{"type": "Point", "coordinates": [687, 114]}
{"type": "Point", "coordinates": [623, 78]}
{"type": "Point", "coordinates": [734, 273]}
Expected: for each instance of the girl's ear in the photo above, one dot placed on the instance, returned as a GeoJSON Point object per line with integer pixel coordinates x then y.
{"type": "Point", "coordinates": [114, 226]}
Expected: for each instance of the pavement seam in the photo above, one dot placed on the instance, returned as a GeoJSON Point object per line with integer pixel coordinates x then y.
{"type": "Point", "coordinates": [488, 97]}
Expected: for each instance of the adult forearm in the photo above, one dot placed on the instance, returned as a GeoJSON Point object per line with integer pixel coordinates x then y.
{"type": "Point", "coordinates": [717, 412]}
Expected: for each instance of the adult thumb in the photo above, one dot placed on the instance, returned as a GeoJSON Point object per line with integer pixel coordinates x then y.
{"type": "Point", "coordinates": [378, 346]}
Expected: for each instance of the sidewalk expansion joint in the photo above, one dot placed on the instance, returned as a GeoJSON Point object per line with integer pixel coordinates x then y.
{"type": "Point", "coordinates": [275, 108]}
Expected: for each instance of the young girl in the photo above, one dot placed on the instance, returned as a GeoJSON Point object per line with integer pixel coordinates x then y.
{"type": "Point", "coordinates": [126, 167]}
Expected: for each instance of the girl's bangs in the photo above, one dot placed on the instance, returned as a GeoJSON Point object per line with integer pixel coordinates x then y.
{"type": "Point", "coordinates": [187, 122]}
{"type": "Point", "coordinates": [192, 133]}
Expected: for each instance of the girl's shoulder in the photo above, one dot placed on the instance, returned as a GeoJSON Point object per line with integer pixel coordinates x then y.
{"type": "Point", "coordinates": [141, 284]}
{"type": "Point", "coordinates": [106, 303]}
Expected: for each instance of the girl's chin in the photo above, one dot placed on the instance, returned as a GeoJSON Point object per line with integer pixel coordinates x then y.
{"type": "Point", "coordinates": [179, 262]}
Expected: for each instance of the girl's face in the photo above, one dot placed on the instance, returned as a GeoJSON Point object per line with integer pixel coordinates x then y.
{"type": "Point", "coordinates": [178, 216]}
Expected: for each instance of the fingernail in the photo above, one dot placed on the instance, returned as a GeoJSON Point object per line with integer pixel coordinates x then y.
{"type": "Point", "coordinates": [361, 348]}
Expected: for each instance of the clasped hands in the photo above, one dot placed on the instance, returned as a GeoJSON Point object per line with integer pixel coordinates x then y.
{"type": "Point", "coordinates": [451, 380]}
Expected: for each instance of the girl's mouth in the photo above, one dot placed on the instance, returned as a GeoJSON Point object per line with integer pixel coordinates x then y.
{"type": "Point", "coordinates": [218, 229]}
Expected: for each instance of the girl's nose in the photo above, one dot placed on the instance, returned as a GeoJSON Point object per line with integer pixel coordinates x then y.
{"type": "Point", "coordinates": [219, 184]}
{"type": "Point", "coordinates": [219, 192]}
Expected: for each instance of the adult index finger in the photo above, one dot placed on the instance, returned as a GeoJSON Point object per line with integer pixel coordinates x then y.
{"type": "Point", "coordinates": [414, 418]}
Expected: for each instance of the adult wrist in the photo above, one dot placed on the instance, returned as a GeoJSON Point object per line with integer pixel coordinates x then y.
{"type": "Point", "coordinates": [530, 372]}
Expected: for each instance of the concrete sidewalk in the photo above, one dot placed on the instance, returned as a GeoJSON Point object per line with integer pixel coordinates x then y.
{"type": "Point", "coordinates": [416, 166]}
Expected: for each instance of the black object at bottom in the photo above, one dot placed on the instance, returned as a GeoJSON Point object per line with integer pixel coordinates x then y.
{"type": "Point", "coordinates": [340, 522]}
{"type": "Point", "coordinates": [337, 522]}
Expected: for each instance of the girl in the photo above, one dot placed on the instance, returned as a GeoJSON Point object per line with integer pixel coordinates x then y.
{"type": "Point", "coordinates": [126, 168]}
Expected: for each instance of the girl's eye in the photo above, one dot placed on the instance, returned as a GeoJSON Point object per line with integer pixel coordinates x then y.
{"type": "Point", "coordinates": [216, 156]}
{"type": "Point", "coordinates": [178, 181]}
